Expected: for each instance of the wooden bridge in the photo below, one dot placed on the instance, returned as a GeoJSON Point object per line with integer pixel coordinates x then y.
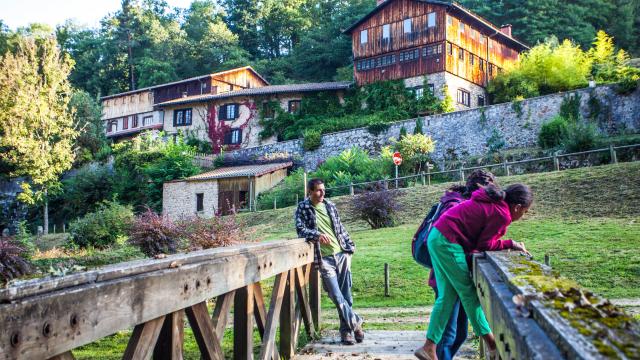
{"type": "Point", "coordinates": [49, 318]}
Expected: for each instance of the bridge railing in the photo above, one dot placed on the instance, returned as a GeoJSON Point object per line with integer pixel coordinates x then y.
{"type": "Point", "coordinates": [535, 314]}
{"type": "Point", "coordinates": [48, 318]}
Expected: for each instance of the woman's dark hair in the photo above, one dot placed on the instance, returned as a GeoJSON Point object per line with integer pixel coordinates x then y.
{"type": "Point", "coordinates": [514, 194]}
{"type": "Point", "coordinates": [476, 179]}
{"type": "Point", "coordinates": [311, 184]}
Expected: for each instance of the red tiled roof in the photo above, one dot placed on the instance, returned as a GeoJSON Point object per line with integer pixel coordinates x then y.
{"type": "Point", "coordinates": [240, 171]}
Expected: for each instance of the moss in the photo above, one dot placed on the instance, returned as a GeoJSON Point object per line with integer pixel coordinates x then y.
{"type": "Point", "coordinates": [605, 349]}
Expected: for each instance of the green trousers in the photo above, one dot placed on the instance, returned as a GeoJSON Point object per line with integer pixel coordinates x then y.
{"type": "Point", "coordinates": [454, 281]}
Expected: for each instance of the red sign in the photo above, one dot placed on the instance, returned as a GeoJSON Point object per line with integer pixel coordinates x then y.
{"type": "Point", "coordinates": [397, 158]}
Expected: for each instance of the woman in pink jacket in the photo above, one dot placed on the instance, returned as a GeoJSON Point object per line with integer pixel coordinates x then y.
{"type": "Point", "coordinates": [474, 225]}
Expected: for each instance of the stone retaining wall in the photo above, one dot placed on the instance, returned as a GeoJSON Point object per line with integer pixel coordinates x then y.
{"type": "Point", "coordinates": [467, 133]}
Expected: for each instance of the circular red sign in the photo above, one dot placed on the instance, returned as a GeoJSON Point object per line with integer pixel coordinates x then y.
{"type": "Point", "coordinates": [397, 158]}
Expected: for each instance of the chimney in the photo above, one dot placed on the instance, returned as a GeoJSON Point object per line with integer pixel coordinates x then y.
{"type": "Point", "coordinates": [378, 2]}
{"type": "Point", "coordinates": [506, 29]}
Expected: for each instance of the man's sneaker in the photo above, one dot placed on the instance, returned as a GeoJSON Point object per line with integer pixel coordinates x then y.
{"type": "Point", "coordinates": [347, 339]}
{"type": "Point", "coordinates": [359, 334]}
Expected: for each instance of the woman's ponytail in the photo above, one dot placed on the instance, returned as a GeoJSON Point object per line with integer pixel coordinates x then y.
{"type": "Point", "coordinates": [494, 192]}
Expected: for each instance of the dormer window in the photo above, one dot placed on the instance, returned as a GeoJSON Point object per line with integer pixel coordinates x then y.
{"type": "Point", "coordinates": [407, 26]}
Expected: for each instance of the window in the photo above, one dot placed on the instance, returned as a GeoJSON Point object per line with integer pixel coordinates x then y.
{"type": "Point", "coordinates": [294, 106]}
{"type": "Point", "coordinates": [233, 137]}
{"type": "Point", "coordinates": [267, 111]}
{"type": "Point", "coordinates": [200, 202]}
{"type": "Point", "coordinates": [449, 49]}
{"type": "Point", "coordinates": [432, 88]}
{"type": "Point", "coordinates": [480, 100]}
{"type": "Point", "coordinates": [463, 97]}
{"type": "Point", "coordinates": [481, 65]}
{"type": "Point", "coordinates": [134, 121]}
{"type": "Point", "coordinates": [471, 59]}
{"type": "Point", "coordinates": [490, 66]}
{"type": "Point", "coordinates": [125, 123]}
{"type": "Point", "coordinates": [364, 37]}
{"type": "Point", "coordinates": [147, 120]}
{"type": "Point", "coordinates": [431, 20]}
{"type": "Point", "coordinates": [461, 54]}
{"type": "Point", "coordinates": [461, 27]}
{"type": "Point", "coordinates": [432, 50]}
{"type": "Point", "coordinates": [386, 32]}
{"type": "Point", "coordinates": [407, 26]}
{"type": "Point", "coordinates": [410, 55]}
{"type": "Point", "coordinates": [228, 112]}
{"type": "Point", "coordinates": [419, 91]}
{"type": "Point", "coordinates": [181, 117]}
{"type": "Point", "coordinates": [449, 20]}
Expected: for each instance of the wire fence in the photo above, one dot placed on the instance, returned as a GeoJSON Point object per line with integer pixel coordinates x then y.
{"type": "Point", "coordinates": [288, 196]}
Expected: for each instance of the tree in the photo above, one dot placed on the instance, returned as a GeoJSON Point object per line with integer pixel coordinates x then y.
{"type": "Point", "coordinates": [36, 125]}
{"type": "Point", "coordinates": [87, 121]}
{"type": "Point", "coordinates": [415, 149]}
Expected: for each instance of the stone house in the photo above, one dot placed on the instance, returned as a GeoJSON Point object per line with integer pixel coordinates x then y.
{"type": "Point", "coordinates": [231, 120]}
{"type": "Point", "coordinates": [220, 191]}
{"type": "Point", "coordinates": [432, 42]}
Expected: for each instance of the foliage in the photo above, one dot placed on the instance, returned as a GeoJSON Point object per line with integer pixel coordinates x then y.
{"type": "Point", "coordinates": [352, 166]}
{"type": "Point", "coordinates": [608, 66]}
{"type": "Point", "coordinates": [87, 121]}
{"type": "Point", "coordinates": [446, 106]}
{"type": "Point", "coordinates": [517, 107]}
{"type": "Point", "coordinates": [495, 142]}
{"type": "Point", "coordinates": [12, 264]}
{"type": "Point", "coordinates": [415, 150]}
{"type": "Point", "coordinates": [378, 127]}
{"type": "Point", "coordinates": [82, 191]}
{"type": "Point", "coordinates": [553, 132]}
{"type": "Point", "coordinates": [581, 136]}
{"type": "Point", "coordinates": [570, 107]}
{"type": "Point", "coordinates": [312, 139]}
{"type": "Point", "coordinates": [156, 234]}
{"type": "Point", "coordinates": [628, 84]}
{"type": "Point", "coordinates": [285, 192]}
{"type": "Point", "coordinates": [103, 227]}
{"type": "Point", "coordinates": [199, 145]}
{"type": "Point", "coordinates": [403, 132]}
{"type": "Point", "coordinates": [36, 126]}
{"type": "Point", "coordinates": [215, 232]}
{"type": "Point", "coordinates": [377, 208]}
{"type": "Point", "coordinates": [419, 125]}
{"type": "Point", "coordinates": [23, 240]}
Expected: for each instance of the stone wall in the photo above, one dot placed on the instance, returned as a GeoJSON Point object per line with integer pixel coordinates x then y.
{"type": "Point", "coordinates": [179, 198]}
{"type": "Point", "coordinates": [466, 133]}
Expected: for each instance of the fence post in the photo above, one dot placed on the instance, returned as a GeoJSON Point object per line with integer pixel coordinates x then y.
{"type": "Point", "coordinates": [296, 199]}
{"type": "Point", "coordinates": [556, 162]}
{"type": "Point", "coordinates": [423, 179]}
{"type": "Point", "coordinates": [64, 228]}
{"type": "Point", "coordinates": [305, 183]}
{"type": "Point", "coordinates": [506, 167]}
{"type": "Point", "coordinates": [274, 203]}
{"type": "Point", "coordinates": [614, 157]}
{"type": "Point", "coordinates": [461, 173]}
{"type": "Point", "coordinates": [351, 189]}
{"type": "Point", "coordinates": [386, 279]}
{"type": "Point", "coordinates": [54, 228]}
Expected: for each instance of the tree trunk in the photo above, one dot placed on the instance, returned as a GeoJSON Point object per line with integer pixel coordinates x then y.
{"type": "Point", "coordinates": [45, 227]}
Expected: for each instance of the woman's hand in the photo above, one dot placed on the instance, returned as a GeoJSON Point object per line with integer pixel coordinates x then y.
{"type": "Point", "coordinates": [519, 246]}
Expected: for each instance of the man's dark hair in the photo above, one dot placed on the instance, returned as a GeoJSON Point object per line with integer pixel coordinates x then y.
{"type": "Point", "coordinates": [311, 184]}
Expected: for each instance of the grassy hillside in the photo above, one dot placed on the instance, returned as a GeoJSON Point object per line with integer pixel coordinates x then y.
{"type": "Point", "coordinates": [588, 220]}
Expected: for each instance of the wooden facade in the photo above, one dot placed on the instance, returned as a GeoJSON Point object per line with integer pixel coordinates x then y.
{"type": "Point", "coordinates": [407, 38]}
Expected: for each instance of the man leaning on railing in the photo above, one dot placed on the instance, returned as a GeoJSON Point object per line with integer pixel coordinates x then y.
{"type": "Point", "coordinates": [317, 221]}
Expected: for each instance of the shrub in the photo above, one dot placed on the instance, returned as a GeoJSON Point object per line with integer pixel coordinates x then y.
{"type": "Point", "coordinates": [156, 234]}
{"type": "Point", "coordinates": [312, 140]}
{"type": "Point", "coordinates": [103, 227]}
{"type": "Point", "coordinates": [377, 208]}
{"type": "Point", "coordinates": [495, 142]}
{"type": "Point", "coordinates": [627, 85]}
{"type": "Point", "coordinates": [419, 125]}
{"type": "Point", "coordinates": [570, 107]}
{"type": "Point", "coordinates": [553, 133]}
{"type": "Point", "coordinates": [215, 232]}
{"type": "Point", "coordinates": [12, 264]}
{"type": "Point", "coordinates": [377, 127]}
{"type": "Point", "coordinates": [580, 137]}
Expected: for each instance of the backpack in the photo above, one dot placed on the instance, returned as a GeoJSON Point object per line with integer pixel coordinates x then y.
{"type": "Point", "coordinates": [419, 248]}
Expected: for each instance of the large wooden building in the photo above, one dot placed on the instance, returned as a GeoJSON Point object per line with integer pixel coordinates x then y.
{"type": "Point", "coordinates": [437, 41]}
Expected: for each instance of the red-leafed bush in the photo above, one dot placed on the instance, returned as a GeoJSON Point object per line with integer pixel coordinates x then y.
{"type": "Point", "coordinates": [12, 264]}
{"type": "Point", "coordinates": [214, 232]}
{"type": "Point", "coordinates": [156, 234]}
{"type": "Point", "coordinates": [378, 208]}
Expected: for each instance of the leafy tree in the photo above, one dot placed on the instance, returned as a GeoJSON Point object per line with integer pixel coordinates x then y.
{"type": "Point", "coordinates": [415, 150]}
{"type": "Point", "coordinates": [36, 125]}
{"type": "Point", "coordinates": [242, 19]}
{"type": "Point", "coordinates": [87, 120]}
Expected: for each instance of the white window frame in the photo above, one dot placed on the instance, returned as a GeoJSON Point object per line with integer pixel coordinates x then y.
{"type": "Point", "coordinates": [431, 19]}
{"type": "Point", "coordinates": [386, 31]}
{"type": "Point", "coordinates": [231, 112]}
{"type": "Point", "coordinates": [461, 27]}
{"type": "Point", "coordinates": [364, 37]}
{"type": "Point", "coordinates": [407, 26]}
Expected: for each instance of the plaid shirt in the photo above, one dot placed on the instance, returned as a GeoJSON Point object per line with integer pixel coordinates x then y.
{"type": "Point", "coordinates": [307, 228]}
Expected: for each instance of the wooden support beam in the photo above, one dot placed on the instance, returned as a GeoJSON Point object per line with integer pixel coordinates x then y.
{"type": "Point", "coordinates": [143, 340]}
{"type": "Point", "coordinates": [204, 332]}
{"type": "Point", "coordinates": [287, 318]}
{"type": "Point", "coordinates": [303, 300]}
{"type": "Point", "coordinates": [221, 312]}
{"type": "Point", "coordinates": [171, 339]}
{"type": "Point", "coordinates": [243, 323]}
{"type": "Point", "coordinates": [315, 296]}
{"type": "Point", "coordinates": [268, 340]}
{"type": "Point", "coordinates": [259, 309]}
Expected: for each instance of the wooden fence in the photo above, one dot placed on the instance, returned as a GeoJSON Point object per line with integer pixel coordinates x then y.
{"type": "Point", "coordinates": [48, 318]}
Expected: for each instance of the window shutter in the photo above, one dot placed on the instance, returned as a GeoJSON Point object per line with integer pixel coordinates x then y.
{"type": "Point", "coordinates": [227, 138]}
{"type": "Point", "coordinates": [239, 136]}
{"type": "Point", "coordinates": [222, 112]}
{"type": "Point", "coordinates": [236, 113]}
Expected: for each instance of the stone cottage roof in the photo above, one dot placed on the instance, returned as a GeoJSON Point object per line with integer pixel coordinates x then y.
{"type": "Point", "coordinates": [265, 90]}
{"type": "Point", "coordinates": [239, 171]}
